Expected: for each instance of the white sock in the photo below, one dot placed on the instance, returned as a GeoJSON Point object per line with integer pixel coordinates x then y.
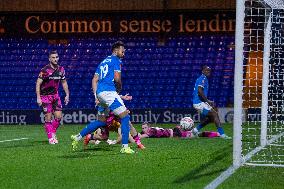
{"type": "Point", "coordinates": [124, 145]}
{"type": "Point", "coordinates": [195, 131]}
{"type": "Point", "coordinates": [78, 137]}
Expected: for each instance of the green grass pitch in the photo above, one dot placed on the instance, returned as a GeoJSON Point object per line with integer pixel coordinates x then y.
{"type": "Point", "coordinates": [165, 163]}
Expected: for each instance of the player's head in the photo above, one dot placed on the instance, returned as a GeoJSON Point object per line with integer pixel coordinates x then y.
{"type": "Point", "coordinates": [118, 49]}
{"type": "Point", "coordinates": [145, 126]}
{"type": "Point", "coordinates": [206, 70]}
{"type": "Point", "coordinates": [53, 57]}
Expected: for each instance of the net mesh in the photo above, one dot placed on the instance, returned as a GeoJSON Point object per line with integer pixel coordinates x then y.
{"type": "Point", "coordinates": [257, 14]}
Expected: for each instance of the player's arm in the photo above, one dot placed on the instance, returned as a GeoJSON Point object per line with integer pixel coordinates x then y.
{"type": "Point", "coordinates": [95, 81]}
{"type": "Point", "coordinates": [203, 97]}
{"type": "Point", "coordinates": [117, 80]}
{"type": "Point", "coordinates": [144, 136]}
{"type": "Point", "coordinates": [133, 131]}
{"type": "Point", "coordinates": [65, 87]}
{"type": "Point", "coordinates": [130, 138]}
{"type": "Point", "coordinates": [119, 136]}
{"type": "Point", "coordinates": [66, 90]}
{"type": "Point", "coordinates": [118, 139]}
{"type": "Point", "coordinates": [98, 134]}
{"type": "Point", "coordinates": [126, 97]}
{"type": "Point", "coordinates": [38, 84]}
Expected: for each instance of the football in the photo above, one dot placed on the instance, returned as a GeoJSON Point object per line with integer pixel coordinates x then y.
{"type": "Point", "coordinates": [187, 123]}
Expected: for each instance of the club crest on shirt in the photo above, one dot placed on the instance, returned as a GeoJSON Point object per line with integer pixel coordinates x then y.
{"type": "Point", "coordinates": [60, 74]}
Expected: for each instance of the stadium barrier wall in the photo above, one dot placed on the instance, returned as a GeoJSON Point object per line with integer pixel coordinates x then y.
{"type": "Point", "coordinates": [112, 5]}
{"type": "Point", "coordinates": [76, 116]}
{"type": "Point", "coordinates": [77, 24]}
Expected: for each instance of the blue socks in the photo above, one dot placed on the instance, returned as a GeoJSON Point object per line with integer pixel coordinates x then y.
{"type": "Point", "coordinates": [94, 125]}
{"type": "Point", "coordinates": [220, 130]}
{"type": "Point", "coordinates": [125, 129]}
{"type": "Point", "coordinates": [91, 127]}
{"type": "Point", "coordinates": [199, 127]}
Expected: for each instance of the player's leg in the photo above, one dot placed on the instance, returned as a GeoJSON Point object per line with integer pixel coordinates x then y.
{"type": "Point", "coordinates": [57, 108]}
{"type": "Point", "coordinates": [91, 127]}
{"type": "Point", "coordinates": [205, 120]}
{"type": "Point", "coordinates": [55, 124]}
{"type": "Point", "coordinates": [96, 137]}
{"type": "Point", "coordinates": [179, 132]}
{"type": "Point", "coordinates": [214, 114]}
{"type": "Point", "coordinates": [136, 137]}
{"type": "Point", "coordinates": [48, 127]}
{"type": "Point", "coordinates": [125, 128]}
{"type": "Point", "coordinates": [209, 134]}
{"type": "Point", "coordinates": [119, 137]}
{"type": "Point", "coordinates": [203, 109]}
{"type": "Point", "coordinates": [47, 110]}
{"type": "Point", "coordinates": [87, 139]}
{"type": "Point", "coordinates": [116, 105]}
{"type": "Point", "coordinates": [56, 120]}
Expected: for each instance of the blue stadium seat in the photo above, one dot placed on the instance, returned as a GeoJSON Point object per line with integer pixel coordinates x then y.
{"type": "Point", "coordinates": [150, 72]}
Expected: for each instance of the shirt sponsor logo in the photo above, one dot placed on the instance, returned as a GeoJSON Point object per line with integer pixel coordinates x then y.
{"type": "Point", "coordinates": [54, 77]}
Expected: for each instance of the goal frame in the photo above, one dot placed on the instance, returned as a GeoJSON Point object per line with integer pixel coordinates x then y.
{"type": "Point", "coordinates": [238, 159]}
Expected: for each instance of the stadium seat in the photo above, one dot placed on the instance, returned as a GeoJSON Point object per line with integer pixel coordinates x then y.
{"type": "Point", "coordinates": [149, 70]}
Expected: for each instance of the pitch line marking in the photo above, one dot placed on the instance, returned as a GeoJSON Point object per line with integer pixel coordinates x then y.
{"type": "Point", "coordinates": [226, 174]}
{"type": "Point", "coordinates": [15, 139]}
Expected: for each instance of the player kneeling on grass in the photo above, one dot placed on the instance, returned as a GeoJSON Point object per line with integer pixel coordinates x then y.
{"type": "Point", "coordinates": [113, 124]}
{"type": "Point", "coordinates": [177, 131]}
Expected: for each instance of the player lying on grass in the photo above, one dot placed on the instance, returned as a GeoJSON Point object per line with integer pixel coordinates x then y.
{"type": "Point", "coordinates": [113, 124]}
{"type": "Point", "coordinates": [177, 131]}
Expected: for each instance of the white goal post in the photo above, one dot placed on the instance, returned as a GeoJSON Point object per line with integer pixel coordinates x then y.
{"type": "Point", "coordinates": [258, 86]}
{"type": "Point", "coordinates": [259, 77]}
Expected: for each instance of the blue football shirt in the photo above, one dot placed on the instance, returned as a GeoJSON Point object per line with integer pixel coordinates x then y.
{"type": "Point", "coordinates": [202, 81]}
{"type": "Point", "coordinates": [105, 71]}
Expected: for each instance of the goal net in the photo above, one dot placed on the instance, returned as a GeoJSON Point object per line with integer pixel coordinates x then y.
{"type": "Point", "coordinates": [259, 83]}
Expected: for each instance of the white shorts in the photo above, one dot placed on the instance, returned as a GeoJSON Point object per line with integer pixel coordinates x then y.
{"type": "Point", "coordinates": [111, 100]}
{"type": "Point", "coordinates": [202, 107]}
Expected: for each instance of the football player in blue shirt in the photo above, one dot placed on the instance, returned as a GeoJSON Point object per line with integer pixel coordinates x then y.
{"type": "Point", "coordinates": [205, 106]}
{"type": "Point", "coordinates": [106, 86]}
